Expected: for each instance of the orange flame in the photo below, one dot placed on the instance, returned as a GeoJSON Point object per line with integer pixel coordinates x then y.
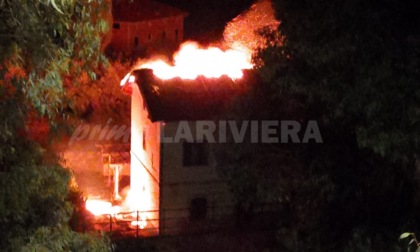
{"type": "Point", "coordinates": [100, 207]}
{"type": "Point", "coordinates": [141, 204]}
{"type": "Point", "coordinates": [192, 61]}
{"type": "Point", "coordinates": [240, 37]}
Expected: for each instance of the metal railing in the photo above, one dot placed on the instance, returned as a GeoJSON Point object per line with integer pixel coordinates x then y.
{"type": "Point", "coordinates": [174, 221]}
{"type": "Point", "coordinates": [122, 223]}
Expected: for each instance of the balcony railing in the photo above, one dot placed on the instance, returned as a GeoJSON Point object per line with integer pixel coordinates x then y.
{"type": "Point", "coordinates": [179, 221]}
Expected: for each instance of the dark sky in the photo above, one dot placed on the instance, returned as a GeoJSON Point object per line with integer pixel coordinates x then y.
{"type": "Point", "coordinates": [207, 19]}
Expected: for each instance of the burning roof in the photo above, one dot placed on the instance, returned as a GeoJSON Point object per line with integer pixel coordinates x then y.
{"type": "Point", "coordinates": [182, 99]}
{"type": "Point", "coordinates": [201, 81]}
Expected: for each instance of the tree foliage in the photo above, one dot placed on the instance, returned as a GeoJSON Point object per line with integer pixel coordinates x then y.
{"type": "Point", "coordinates": [100, 100]}
{"type": "Point", "coordinates": [46, 45]}
{"type": "Point", "coordinates": [47, 48]}
{"type": "Point", "coordinates": [354, 67]}
{"type": "Point", "coordinates": [358, 63]}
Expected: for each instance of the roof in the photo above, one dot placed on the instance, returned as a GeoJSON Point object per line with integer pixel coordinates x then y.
{"type": "Point", "coordinates": [200, 99]}
{"type": "Point", "coordinates": [142, 10]}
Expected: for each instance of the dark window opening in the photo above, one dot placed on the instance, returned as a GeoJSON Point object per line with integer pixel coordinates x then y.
{"type": "Point", "coordinates": [116, 26]}
{"type": "Point", "coordinates": [150, 36]}
{"type": "Point", "coordinates": [163, 35]}
{"type": "Point", "coordinates": [195, 154]}
{"type": "Point", "coordinates": [176, 35]}
{"type": "Point", "coordinates": [144, 140]}
{"type": "Point", "coordinates": [198, 209]}
{"type": "Point", "coordinates": [106, 159]}
{"type": "Point", "coordinates": [136, 41]}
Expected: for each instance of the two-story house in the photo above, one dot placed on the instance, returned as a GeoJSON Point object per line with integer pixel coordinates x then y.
{"type": "Point", "coordinates": [172, 177]}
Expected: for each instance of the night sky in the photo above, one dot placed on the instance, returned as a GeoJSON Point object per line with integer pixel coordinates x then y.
{"type": "Point", "coordinates": [207, 19]}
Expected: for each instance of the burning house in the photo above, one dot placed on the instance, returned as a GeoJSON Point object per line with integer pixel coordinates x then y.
{"type": "Point", "coordinates": [175, 185]}
{"type": "Point", "coordinates": [177, 180]}
{"type": "Point", "coordinates": [171, 185]}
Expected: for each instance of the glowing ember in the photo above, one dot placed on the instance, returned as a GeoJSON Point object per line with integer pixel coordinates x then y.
{"type": "Point", "coordinates": [243, 31]}
{"type": "Point", "coordinates": [192, 61]}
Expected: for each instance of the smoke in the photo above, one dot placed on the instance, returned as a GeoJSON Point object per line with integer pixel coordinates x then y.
{"type": "Point", "coordinates": [244, 30]}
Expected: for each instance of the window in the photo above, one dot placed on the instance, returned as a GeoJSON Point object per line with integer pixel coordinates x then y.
{"type": "Point", "coordinates": [195, 154]}
{"type": "Point", "coordinates": [116, 26]}
{"type": "Point", "coordinates": [136, 41]}
{"type": "Point", "coordinates": [176, 35]}
{"type": "Point", "coordinates": [150, 36]}
{"type": "Point", "coordinates": [163, 35]}
{"type": "Point", "coordinates": [198, 209]}
{"type": "Point", "coordinates": [144, 140]}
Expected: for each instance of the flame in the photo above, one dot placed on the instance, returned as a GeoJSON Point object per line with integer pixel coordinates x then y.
{"type": "Point", "coordinates": [98, 207]}
{"type": "Point", "coordinates": [139, 203]}
{"type": "Point", "coordinates": [192, 61]}
{"type": "Point", "coordinates": [101, 207]}
{"type": "Point", "coordinates": [142, 223]}
{"type": "Point", "coordinates": [241, 38]}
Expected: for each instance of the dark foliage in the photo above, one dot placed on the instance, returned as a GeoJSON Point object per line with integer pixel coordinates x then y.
{"type": "Point", "coordinates": [353, 67]}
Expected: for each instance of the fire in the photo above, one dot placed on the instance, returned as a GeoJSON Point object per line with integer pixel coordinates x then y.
{"type": "Point", "coordinates": [100, 207]}
{"type": "Point", "coordinates": [137, 210]}
{"type": "Point", "coordinates": [140, 205]}
{"type": "Point", "coordinates": [241, 41]}
{"type": "Point", "coordinates": [192, 61]}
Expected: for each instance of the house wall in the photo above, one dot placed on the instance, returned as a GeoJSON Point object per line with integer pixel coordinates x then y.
{"type": "Point", "coordinates": [181, 184]}
{"type": "Point", "coordinates": [145, 161]}
{"type": "Point", "coordinates": [148, 33]}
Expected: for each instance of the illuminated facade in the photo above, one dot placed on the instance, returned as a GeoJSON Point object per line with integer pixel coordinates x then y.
{"type": "Point", "coordinates": [145, 161]}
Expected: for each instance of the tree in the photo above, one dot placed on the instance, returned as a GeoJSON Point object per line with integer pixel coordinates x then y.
{"type": "Point", "coordinates": [46, 48]}
{"type": "Point", "coordinates": [353, 67]}
{"type": "Point", "coordinates": [357, 62]}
